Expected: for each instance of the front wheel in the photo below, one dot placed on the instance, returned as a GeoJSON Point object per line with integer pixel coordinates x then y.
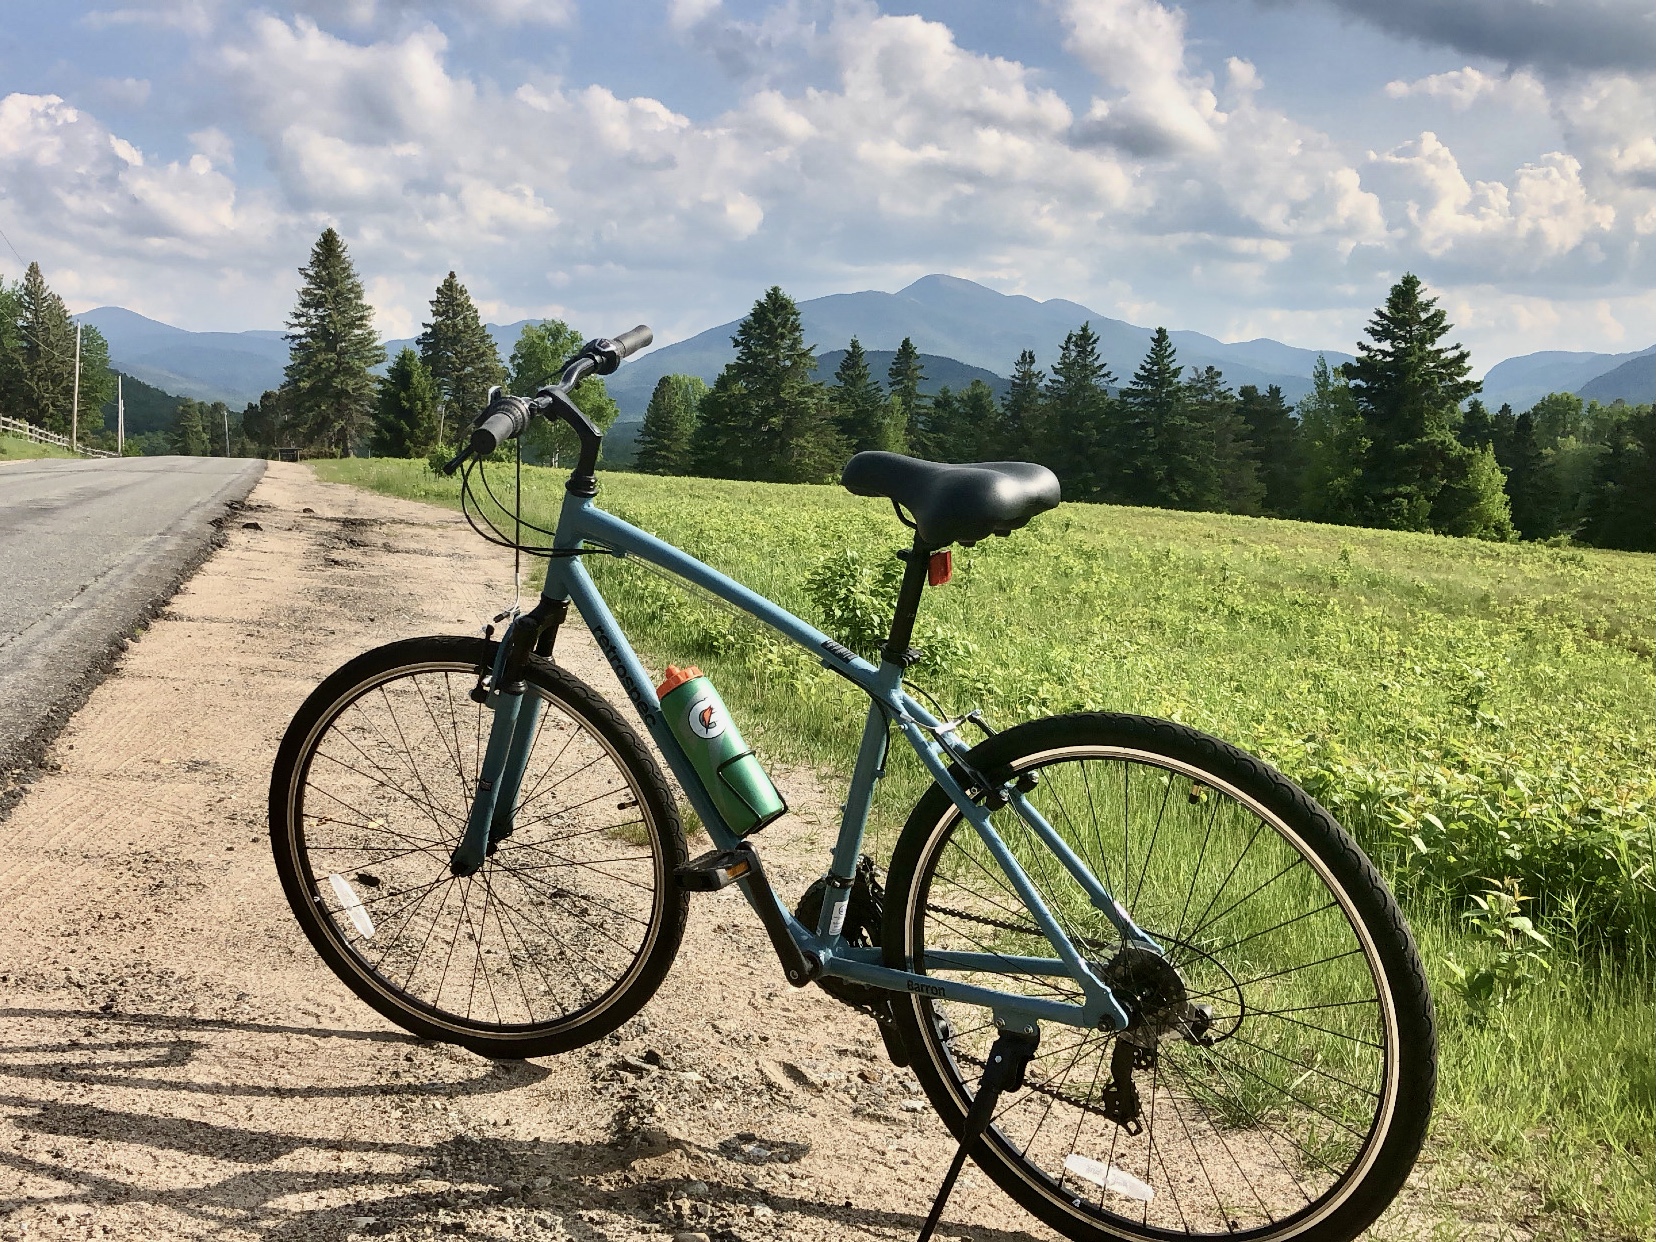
{"type": "Point", "coordinates": [572, 921]}
{"type": "Point", "coordinates": [1276, 1078]}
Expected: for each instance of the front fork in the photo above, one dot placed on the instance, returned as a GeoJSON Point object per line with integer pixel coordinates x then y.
{"type": "Point", "coordinates": [511, 735]}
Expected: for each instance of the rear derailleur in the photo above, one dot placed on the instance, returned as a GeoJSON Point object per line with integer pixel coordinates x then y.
{"type": "Point", "coordinates": [1152, 992]}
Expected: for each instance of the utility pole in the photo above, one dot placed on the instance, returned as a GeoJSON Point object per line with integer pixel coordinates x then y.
{"type": "Point", "coordinates": [74, 413]}
{"type": "Point", "coordinates": [120, 417]}
{"type": "Point", "coordinates": [227, 431]}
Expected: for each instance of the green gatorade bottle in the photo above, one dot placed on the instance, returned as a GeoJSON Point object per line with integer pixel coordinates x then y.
{"type": "Point", "coordinates": [728, 769]}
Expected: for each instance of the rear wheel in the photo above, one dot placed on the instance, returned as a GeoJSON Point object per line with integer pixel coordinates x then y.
{"type": "Point", "coordinates": [573, 920]}
{"type": "Point", "coordinates": [1277, 1076]}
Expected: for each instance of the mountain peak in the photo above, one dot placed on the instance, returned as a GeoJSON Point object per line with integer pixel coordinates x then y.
{"type": "Point", "coordinates": [955, 287]}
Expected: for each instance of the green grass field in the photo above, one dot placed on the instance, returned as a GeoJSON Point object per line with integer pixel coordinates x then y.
{"type": "Point", "coordinates": [1474, 713]}
{"type": "Point", "coordinates": [16, 448]}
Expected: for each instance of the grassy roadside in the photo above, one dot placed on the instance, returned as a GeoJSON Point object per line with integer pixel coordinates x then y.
{"type": "Point", "coordinates": [1470, 710]}
{"type": "Point", "coordinates": [15, 448]}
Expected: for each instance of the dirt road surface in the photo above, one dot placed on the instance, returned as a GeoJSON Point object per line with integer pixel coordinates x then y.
{"type": "Point", "coordinates": [176, 1063]}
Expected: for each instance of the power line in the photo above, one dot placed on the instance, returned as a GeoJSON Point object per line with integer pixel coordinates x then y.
{"type": "Point", "coordinates": [10, 246]}
{"type": "Point", "coordinates": [36, 343]}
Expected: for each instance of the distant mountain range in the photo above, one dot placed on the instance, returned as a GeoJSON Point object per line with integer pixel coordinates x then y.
{"type": "Point", "coordinates": [1522, 381]}
{"type": "Point", "coordinates": [233, 367]}
{"type": "Point", "coordinates": [963, 330]}
{"type": "Point", "coordinates": [953, 318]}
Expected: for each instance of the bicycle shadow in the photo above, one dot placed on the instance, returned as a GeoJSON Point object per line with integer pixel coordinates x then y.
{"type": "Point", "coordinates": [575, 1186]}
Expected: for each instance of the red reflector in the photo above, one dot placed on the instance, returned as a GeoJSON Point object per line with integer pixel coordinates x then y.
{"type": "Point", "coordinates": [940, 568]}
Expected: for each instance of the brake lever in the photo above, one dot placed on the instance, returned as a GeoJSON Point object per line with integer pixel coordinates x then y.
{"type": "Point", "coordinates": [459, 460]}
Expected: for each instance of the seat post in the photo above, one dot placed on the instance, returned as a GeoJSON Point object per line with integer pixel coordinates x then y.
{"type": "Point", "coordinates": [898, 647]}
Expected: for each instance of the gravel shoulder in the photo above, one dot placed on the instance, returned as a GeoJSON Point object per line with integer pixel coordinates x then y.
{"type": "Point", "coordinates": [176, 1063]}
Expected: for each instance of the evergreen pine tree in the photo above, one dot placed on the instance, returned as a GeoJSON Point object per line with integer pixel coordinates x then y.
{"type": "Point", "coordinates": [765, 417]}
{"type": "Point", "coordinates": [1502, 432]}
{"type": "Point", "coordinates": [1021, 411]}
{"type": "Point", "coordinates": [935, 433]}
{"type": "Point", "coordinates": [215, 423]}
{"type": "Point", "coordinates": [980, 425]}
{"type": "Point", "coordinates": [405, 418]}
{"type": "Point", "coordinates": [268, 422]}
{"type": "Point", "coordinates": [1529, 483]}
{"type": "Point", "coordinates": [670, 425]}
{"type": "Point", "coordinates": [1332, 434]}
{"type": "Point", "coordinates": [1618, 511]}
{"type": "Point", "coordinates": [1278, 454]}
{"type": "Point", "coordinates": [461, 356]}
{"type": "Point", "coordinates": [539, 352]}
{"type": "Point", "coordinates": [40, 385]}
{"type": "Point", "coordinates": [1154, 427]}
{"type": "Point", "coordinates": [1075, 440]}
{"type": "Point", "coordinates": [189, 436]}
{"type": "Point", "coordinates": [11, 348]}
{"type": "Point", "coordinates": [1225, 475]}
{"type": "Point", "coordinates": [1477, 425]}
{"type": "Point", "coordinates": [332, 350]}
{"type": "Point", "coordinates": [861, 412]}
{"type": "Point", "coordinates": [959, 426]}
{"type": "Point", "coordinates": [903, 380]}
{"type": "Point", "coordinates": [1408, 390]}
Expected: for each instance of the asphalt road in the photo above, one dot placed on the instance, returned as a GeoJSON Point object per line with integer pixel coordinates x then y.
{"type": "Point", "coordinates": [88, 550]}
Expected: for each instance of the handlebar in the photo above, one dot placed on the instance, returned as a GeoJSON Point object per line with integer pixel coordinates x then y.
{"type": "Point", "coordinates": [507, 416]}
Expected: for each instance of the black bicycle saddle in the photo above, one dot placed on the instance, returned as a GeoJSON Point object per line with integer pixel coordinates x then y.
{"type": "Point", "coordinates": [955, 504]}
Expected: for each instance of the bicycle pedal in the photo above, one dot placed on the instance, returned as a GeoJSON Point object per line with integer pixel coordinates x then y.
{"type": "Point", "coordinates": [716, 869]}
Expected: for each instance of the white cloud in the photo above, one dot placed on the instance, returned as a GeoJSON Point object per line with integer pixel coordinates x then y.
{"type": "Point", "coordinates": [682, 14]}
{"type": "Point", "coordinates": [1136, 48]}
{"type": "Point", "coordinates": [1546, 212]}
{"type": "Point", "coordinates": [1164, 190]}
{"type": "Point", "coordinates": [1461, 88]}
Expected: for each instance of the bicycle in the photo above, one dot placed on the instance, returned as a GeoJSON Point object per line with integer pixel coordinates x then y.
{"type": "Point", "coordinates": [1149, 984]}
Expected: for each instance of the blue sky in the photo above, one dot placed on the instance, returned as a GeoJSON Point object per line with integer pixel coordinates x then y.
{"type": "Point", "coordinates": [1240, 167]}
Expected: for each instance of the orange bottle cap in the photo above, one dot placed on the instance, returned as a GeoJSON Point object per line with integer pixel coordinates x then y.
{"type": "Point", "coordinates": [675, 678]}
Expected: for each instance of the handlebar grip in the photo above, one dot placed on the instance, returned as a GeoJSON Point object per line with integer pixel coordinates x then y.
{"type": "Point", "coordinates": [506, 417]}
{"type": "Point", "coordinates": [629, 343]}
{"type": "Point", "coordinates": [606, 353]}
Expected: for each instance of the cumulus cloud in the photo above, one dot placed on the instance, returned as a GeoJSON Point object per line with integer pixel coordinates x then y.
{"type": "Point", "coordinates": [1556, 35]}
{"type": "Point", "coordinates": [1167, 182]}
{"type": "Point", "coordinates": [1461, 88]}
{"type": "Point", "coordinates": [1546, 212]}
{"type": "Point", "coordinates": [63, 166]}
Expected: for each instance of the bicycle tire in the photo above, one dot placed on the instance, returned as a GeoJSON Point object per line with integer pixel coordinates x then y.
{"type": "Point", "coordinates": [586, 917]}
{"type": "Point", "coordinates": [1243, 1161]}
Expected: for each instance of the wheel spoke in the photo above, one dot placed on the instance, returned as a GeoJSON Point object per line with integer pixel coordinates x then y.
{"type": "Point", "coordinates": [562, 912]}
{"type": "Point", "coordinates": [1241, 1132]}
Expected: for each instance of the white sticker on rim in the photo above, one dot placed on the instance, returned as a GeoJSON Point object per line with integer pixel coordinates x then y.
{"type": "Point", "coordinates": [1108, 1176]}
{"type": "Point", "coordinates": [352, 905]}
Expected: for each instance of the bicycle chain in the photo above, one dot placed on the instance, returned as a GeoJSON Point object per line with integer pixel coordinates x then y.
{"type": "Point", "coordinates": [874, 1011]}
{"type": "Point", "coordinates": [1001, 925]}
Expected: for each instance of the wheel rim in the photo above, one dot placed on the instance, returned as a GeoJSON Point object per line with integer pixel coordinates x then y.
{"type": "Point", "coordinates": [562, 915]}
{"type": "Point", "coordinates": [1266, 1131]}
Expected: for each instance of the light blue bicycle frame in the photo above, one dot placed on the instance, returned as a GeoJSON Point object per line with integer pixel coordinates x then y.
{"type": "Point", "coordinates": [582, 523]}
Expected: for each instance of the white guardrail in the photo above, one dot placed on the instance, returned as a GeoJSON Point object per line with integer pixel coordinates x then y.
{"type": "Point", "coordinates": [28, 431]}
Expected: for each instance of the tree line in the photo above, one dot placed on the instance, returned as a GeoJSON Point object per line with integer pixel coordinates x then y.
{"type": "Point", "coordinates": [37, 383]}
{"type": "Point", "coordinates": [1395, 439]}
{"type": "Point", "coordinates": [332, 402]}
{"type": "Point", "coordinates": [37, 362]}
